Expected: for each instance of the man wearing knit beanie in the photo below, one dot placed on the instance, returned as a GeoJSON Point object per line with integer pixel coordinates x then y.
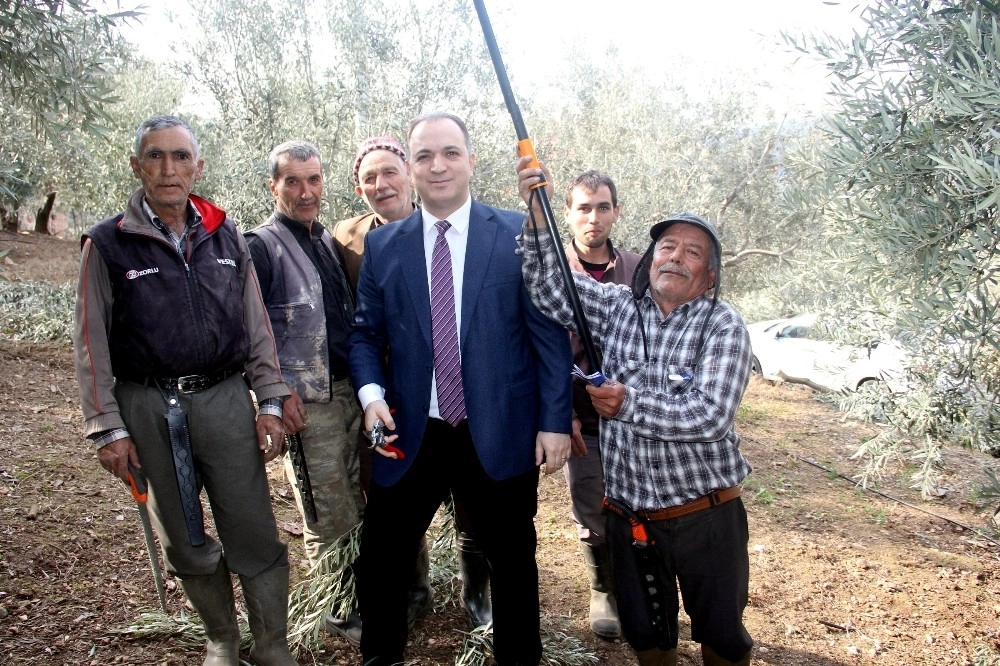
{"type": "Point", "coordinates": [381, 180]}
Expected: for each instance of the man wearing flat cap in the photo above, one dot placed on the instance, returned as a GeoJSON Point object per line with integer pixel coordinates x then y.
{"type": "Point", "coordinates": [677, 361]}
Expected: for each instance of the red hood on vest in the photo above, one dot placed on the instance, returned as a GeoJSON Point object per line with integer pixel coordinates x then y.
{"type": "Point", "coordinates": [211, 215]}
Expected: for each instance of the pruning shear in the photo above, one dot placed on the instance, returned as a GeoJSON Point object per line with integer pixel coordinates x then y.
{"type": "Point", "coordinates": [377, 437]}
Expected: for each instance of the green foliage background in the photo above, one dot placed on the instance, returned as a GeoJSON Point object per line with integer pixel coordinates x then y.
{"type": "Point", "coordinates": [882, 215]}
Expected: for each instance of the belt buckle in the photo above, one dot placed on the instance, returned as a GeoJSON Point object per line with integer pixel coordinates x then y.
{"type": "Point", "coordinates": [190, 383]}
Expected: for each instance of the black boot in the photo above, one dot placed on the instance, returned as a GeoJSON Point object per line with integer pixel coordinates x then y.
{"type": "Point", "coordinates": [475, 572]}
{"type": "Point", "coordinates": [349, 627]}
{"type": "Point", "coordinates": [420, 595]}
{"type": "Point", "coordinates": [657, 657]}
{"type": "Point", "coordinates": [603, 607]}
{"type": "Point", "coordinates": [266, 596]}
{"type": "Point", "coordinates": [710, 658]}
{"type": "Point", "coordinates": [212, 598]}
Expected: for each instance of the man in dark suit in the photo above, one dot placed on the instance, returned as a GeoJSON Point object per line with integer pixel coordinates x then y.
{"type": "Point", "coordinates": [469, 380]}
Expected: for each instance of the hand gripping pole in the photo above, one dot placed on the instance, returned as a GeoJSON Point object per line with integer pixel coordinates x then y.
{"type": "Point", "coordinates": [525, 147]}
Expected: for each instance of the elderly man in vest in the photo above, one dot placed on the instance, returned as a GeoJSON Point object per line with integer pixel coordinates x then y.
{"type": "Point", "coordinates": [170, 327]}
{"type": "Point", "coordinates": [310, 306]}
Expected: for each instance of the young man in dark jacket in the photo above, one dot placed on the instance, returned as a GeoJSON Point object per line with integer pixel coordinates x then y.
{"type": "Point", "coordinates": [591, 210]}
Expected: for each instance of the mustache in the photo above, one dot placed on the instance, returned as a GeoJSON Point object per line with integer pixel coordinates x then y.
{"type": "Point", "coordinates": [674, 268]}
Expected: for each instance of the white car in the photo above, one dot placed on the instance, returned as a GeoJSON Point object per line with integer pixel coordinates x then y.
{"type": "Point", "coordinates": [790, 350]}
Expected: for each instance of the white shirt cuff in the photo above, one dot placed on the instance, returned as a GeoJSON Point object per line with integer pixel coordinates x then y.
{"type": "Point", "coordinates": [369, 393]}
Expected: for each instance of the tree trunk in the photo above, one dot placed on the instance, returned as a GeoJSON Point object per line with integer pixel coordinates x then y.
{"type": "Point", "coordinates": [42, 217]}
{"type": "Point", "coordinates": [8, 220]}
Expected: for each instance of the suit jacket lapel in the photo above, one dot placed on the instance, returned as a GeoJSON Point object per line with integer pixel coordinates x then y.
{"type": "Point", "coordinates": [411, 247]}
{"type": "Point", "coordinates": [478, 251]}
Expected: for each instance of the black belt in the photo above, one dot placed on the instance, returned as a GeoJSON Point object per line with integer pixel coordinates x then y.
{"type": "Point", "coordinates": [188, 383]}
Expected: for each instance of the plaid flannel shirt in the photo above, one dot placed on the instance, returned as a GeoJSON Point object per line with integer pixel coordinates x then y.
{"type": "Point", "coordinates": [673, 439]}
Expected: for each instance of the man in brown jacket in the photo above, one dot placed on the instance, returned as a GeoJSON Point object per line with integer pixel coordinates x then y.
{"type": "Point", "coordinates": [383, 183]}
{"type": "Point", "coordinates": [170, 326]}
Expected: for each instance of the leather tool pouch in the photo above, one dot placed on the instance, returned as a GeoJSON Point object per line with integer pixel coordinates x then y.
{"type": "Point", "coordinates": [187, 480]}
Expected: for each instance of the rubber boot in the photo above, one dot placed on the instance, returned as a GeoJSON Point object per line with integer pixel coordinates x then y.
{"type": "Point", "coordinates": [474, 570]}
{"type": "Point", "coordinates": [420, 594]}
{"type": "Point", "coordinates": [348, 627]}
{"type": "Point", "coordinates": [266, 596]}
{"type": "Point", "coordinates": [657, 657]}
{"type": "Point", "coordinates": [603, 607]}
{"type": "Point", "coordinates": [710, 658]}
{"type": "Point", "coordinates": [212, 598]}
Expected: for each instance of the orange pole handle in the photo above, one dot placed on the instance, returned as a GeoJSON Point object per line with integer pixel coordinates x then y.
{"type": "Point", "coordinates": [526, 147]}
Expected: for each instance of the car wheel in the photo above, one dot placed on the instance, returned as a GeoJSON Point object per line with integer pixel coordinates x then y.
{"type": "Point", "coordinates": [874, 399]}
{"type": "Point", "coordinates": [755, 366]}
{"type": "Point", "coordinates": [870, 385]}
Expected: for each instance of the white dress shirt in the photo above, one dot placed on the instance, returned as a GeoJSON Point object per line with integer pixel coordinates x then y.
{"type": "Point", "coordinates": [458, 239]}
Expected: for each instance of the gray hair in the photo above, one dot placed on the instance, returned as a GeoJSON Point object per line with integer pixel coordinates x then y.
{"type": "Point", "coordinates": [440, 115]}
{"type": "Point", "coordinates": [156, 123]}
{"type": "Point", "coordinates": [296, 149]}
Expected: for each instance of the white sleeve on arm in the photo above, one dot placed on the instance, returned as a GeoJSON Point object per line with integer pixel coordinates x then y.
{"type": "Point", "coordinates": [369, 393]}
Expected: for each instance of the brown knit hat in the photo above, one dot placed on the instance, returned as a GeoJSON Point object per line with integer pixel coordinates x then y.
{"type": "Point", "coordinates": [376, 143]}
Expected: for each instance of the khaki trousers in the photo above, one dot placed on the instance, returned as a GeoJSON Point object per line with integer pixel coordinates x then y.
{"type": "Point", "coordinates": [330, 443]}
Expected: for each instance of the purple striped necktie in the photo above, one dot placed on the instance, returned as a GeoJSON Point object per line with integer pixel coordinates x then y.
{"type": "Point", "coordinates": [444, 331]}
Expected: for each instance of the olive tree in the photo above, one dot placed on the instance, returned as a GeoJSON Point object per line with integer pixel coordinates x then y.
{"type": "Point", "coordinates": [59, 59]}
{"type": "Point", "coordinates": [717, 151]}
{"type": "Point", "coordinates": [330, 72]}
{"type": "Point", "coordinates": [907, 184]}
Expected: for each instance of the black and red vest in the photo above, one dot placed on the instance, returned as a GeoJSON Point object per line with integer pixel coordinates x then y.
{"type": "Point", "coordinates": [174, 315]}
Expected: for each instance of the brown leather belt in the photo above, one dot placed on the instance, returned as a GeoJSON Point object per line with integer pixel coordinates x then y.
{"type": "Point", "coordinates": [712, 499]}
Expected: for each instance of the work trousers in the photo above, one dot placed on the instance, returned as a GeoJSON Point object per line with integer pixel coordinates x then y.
{"type": "Point", "coordinates": [229, 466]}
{"type": "Point", "coordinates": [585, 479]}
{"type": "Point", "coordinates": [705, 553]}
{"type": "Point", "coordinates": [501, 514]}
{"type": "Point", "coordinates": [329, 442]}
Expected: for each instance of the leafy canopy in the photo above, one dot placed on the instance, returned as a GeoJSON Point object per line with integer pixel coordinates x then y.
{"type": "Point", "coordinates": [907, 184]}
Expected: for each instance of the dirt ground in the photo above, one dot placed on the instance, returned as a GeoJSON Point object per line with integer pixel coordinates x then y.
{"type": "Point", "coordinates": [839, 575]}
